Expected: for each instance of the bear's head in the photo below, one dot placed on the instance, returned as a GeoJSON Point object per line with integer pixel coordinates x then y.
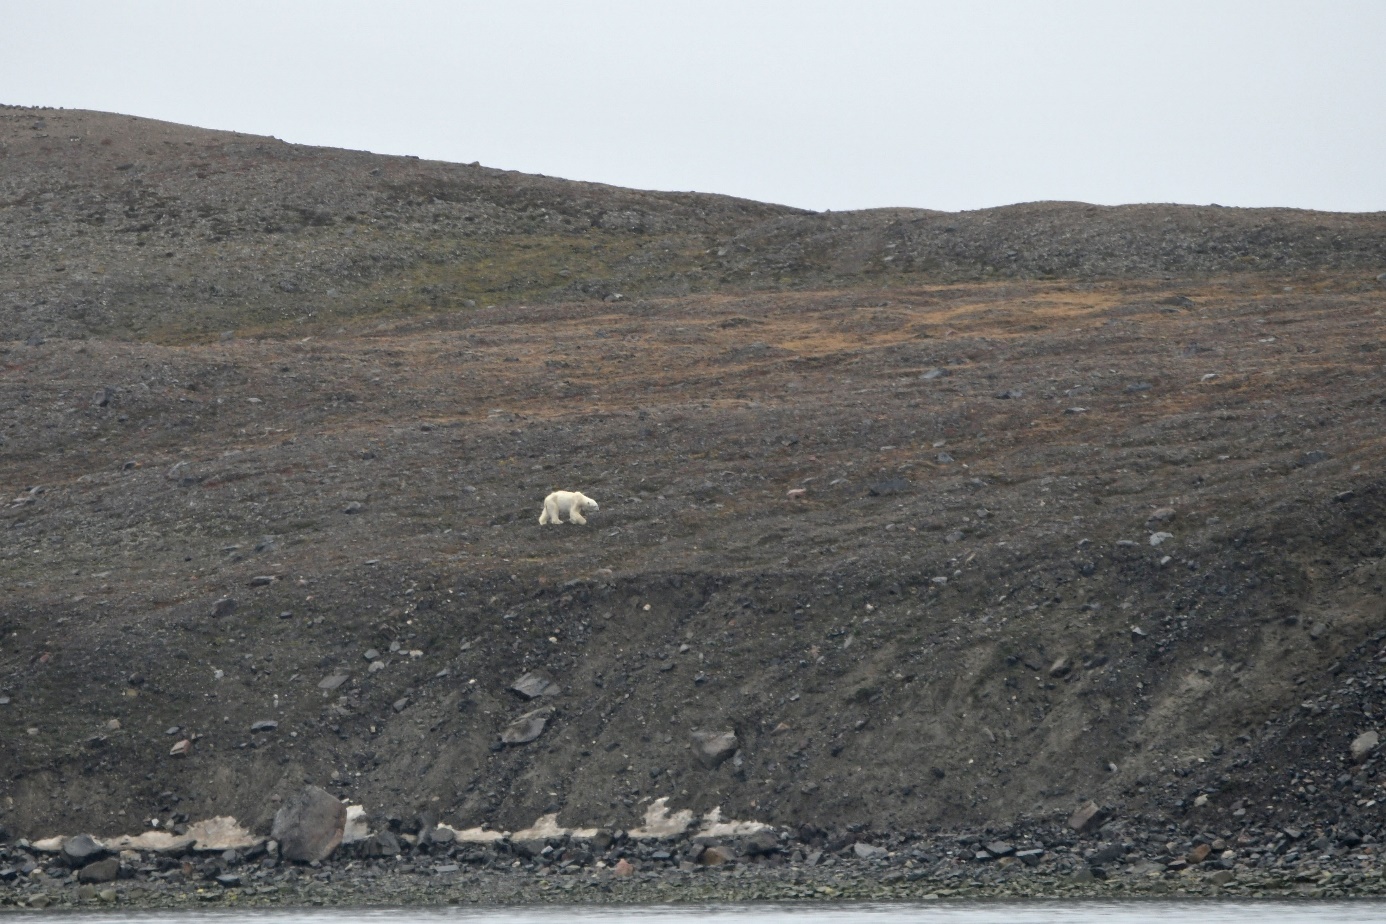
{"type": "Point", "coordinates": [588, 504]}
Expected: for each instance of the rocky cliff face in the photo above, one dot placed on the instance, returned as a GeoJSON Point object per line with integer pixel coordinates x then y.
{"type": "Point", "coordinates": [927, 547]}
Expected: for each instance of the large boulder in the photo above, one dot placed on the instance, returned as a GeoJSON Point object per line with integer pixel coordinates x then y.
{"type": "Point", "coordinates": [380, 844]}
{"type": "Point", "coordinates": [712, 748]}
{"type": "Point", "coordinates": [1088, 817]}
{"type": "Point", "coordinates": [82, 849]}
{"type": "Point", "coordinates": [310, 825]}
{"type": "Point", "coordinates": [101, 871]}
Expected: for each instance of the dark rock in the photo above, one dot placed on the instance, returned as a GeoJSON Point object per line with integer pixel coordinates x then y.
{"type": "Point", "coordinates": [1106, 856]}
{"type": "Point", "coordinates": [1060, 668]}
{"type": "Point", "coordinates": [535, 684]}
{"type": "Point", "coordinates": [266, 725]}
{"type": "Point", "coordinates": [713, 748]}
{"type": "Point", "coordinates": [81, 850]}
{"type": "Point", "coordinates": [1087, 817]}
{"type": "Point", "coordinates": [1010, 393]}
{"type": "Point", "coordinates": [889, 486]}
{"type": "Point", "coordinates": [309, 826]}
{"type": "Point", "coordinates": [228, 880]}
{"type": "Point", "coordinates": [333, 681]}
{"type": "Point", "coordinates": [353, 507]}
{"type": "Point", "coordinates": [1000, 849]}
{"type": "Point", "coordinates": [224, 607]}
{"type": "Point", "coordinates": [101, 871]}
{"type": "Point", "coordinates": [383, 844]}
{"type": "Point", "coordinates": [761, 843]}
{"type": "Point", "coordinates": [1030, 857]}
{"type": "Point", "coordinates": [527, 727]}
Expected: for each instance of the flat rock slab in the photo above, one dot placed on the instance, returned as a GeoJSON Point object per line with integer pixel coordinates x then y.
{"type": "Point", "coordinates": [310, 825]}
{"type": "Point", "coordinates": [527, 727]}
{"type": "Point", "coordinates": [535, 684]}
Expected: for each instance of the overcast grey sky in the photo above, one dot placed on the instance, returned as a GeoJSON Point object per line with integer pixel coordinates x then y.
{"type": "Point", "coordinates": [841, 105]}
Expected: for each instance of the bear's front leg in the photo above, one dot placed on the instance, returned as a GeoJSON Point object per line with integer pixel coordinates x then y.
{"type": "Point", "coordinates": [574, 516]}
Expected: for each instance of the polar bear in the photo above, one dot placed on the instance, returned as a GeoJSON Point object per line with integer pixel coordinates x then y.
{"type": "Point", "coordinates": [571, 503]}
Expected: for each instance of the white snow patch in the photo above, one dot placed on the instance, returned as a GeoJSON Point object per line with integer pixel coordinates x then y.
{"type": "Point", "coordinates": [222, 833]}
{"type": "Point", "coordinates": [714, 826]}
{"type": "Point", "coordinates": [547, 826]}
{"type": "Point", "coordinates": [660, 823]}
{"type": "Point", "coordinates": [357, 825]}
{"type": "Point", "coordinates": [156, 841]}
{"type": "Point", "coordinates": [476, 835]}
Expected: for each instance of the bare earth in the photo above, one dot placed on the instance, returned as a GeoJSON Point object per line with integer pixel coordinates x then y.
{"type": "Point", "coordinates": [898, 528]}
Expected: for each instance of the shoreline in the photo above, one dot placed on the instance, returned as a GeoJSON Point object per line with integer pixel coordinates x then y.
{"type": "Point", "coordinates": [681, 872]}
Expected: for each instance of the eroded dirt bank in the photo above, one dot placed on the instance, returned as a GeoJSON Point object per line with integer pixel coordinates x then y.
{"type": "Point", "coordinates": [1055, 542]}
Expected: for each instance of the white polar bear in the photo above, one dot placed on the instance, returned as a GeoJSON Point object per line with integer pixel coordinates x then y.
{"type": "Point", "coordinates": [569, 503]}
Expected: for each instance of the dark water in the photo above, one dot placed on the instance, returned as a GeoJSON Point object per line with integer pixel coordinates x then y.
{"type": "Point", "coordinates": [1131, 912]}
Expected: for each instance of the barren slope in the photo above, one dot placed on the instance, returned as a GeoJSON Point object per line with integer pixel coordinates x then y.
{"type": "Point", "coordinates": [968, 615]}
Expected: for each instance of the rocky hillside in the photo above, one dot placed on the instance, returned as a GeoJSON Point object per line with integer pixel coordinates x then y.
{"type": "Point", "coordinates": [123, 227]}
{"type": "Point", "coordinates": [884, 541]}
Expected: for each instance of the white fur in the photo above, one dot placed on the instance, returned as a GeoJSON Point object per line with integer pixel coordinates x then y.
{"type": "Point", "coordinates": [566, 503]}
